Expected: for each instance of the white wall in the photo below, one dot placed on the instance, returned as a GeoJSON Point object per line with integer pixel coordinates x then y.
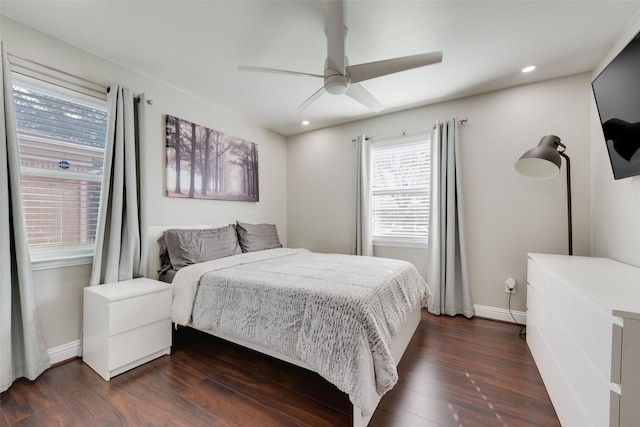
{"type": "Point", "coordinates": [506, 215]}
{"type": "Point", "coordinates": [615, 204]}
{"type": "Point", "coordinates": [59, 292]}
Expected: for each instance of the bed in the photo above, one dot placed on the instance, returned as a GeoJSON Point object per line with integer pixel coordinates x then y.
{"type": "Point", "coordinates": [347, 318]}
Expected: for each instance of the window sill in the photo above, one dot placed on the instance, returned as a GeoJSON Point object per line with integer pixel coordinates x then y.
{"type": "Point", "coordinates": [400, 244]}
{"type": "Point", "coordinates": [46, 259]}
{"type": "Point", "coordinates": [48, 264]}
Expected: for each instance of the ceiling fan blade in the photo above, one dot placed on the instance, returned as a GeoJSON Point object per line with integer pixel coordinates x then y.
{"type": "Point", "coordinates": [336, 34]}
{"type": "Point", "coordinates": [361, 95]}
{"type": "Point", "coordinates": [361, 72]}
{"type": "Point", "coordinates": [310, 100]}
{"type": "Point", "coordinates": [276, 71]}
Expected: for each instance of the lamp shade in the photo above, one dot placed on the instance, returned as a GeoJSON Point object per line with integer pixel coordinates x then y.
{"type": "Point", "coordinates": [542, 161]}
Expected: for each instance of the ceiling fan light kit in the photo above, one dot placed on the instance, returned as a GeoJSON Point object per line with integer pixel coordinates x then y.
{"type": "Point", "coordinates": [341, 78]}
{"type": "Point", "coordinates": [336, 84]}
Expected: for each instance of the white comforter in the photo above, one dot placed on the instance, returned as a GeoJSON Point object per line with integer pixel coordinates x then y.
{"type": "Point", "coordinates": [335, 313]}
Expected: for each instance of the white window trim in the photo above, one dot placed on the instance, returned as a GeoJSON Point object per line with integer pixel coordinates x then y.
{"type": "Point", "coordinates": [399, 242]}
{"type": "Point", "coordinates": [44, 258]}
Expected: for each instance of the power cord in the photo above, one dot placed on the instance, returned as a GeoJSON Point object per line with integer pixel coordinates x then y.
{"type": "Point", "coordinates": [523, 329]}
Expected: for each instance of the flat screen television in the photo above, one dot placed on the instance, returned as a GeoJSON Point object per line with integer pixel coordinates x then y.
{"type": "Point", "coordinates": [617, 94]}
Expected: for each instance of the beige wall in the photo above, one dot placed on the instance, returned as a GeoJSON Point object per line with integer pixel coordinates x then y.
{"type": "Point", "coordinates": [59, 291]}
{"type": "Point", "coordinates": [615, 204]}
{"type": "Point", "coordinates": [58, 294]}
{"type": "Point", "coordinates": [307, 183]}
{"type": "Point", "coordinates": [506, 215]}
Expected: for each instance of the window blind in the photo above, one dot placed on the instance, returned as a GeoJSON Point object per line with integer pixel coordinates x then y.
{"type": "Point", "coordinates": [61, 138]}
{"type": "Point", "coordinates": [400, 192]}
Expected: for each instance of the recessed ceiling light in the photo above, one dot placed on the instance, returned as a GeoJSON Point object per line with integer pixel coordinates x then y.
{"type": "Point", "coordinates": [305, 122]}
{"type": "Point", "coordinates": [528, 69]}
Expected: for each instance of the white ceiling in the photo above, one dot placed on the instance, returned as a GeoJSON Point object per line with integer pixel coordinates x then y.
{"type": "Point", "coordinates": [196, 46]}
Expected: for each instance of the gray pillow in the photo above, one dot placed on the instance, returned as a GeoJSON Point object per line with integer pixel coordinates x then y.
{"type": "Point", "coordinates": [257, 237]}
{"type": "Point", "coordinates": [165, 261]}
{"type": "Point", "coordinates": [191, 246]}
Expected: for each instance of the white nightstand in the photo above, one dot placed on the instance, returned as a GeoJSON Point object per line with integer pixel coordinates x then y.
{"type": "Point", "coordinates": [126, 324]}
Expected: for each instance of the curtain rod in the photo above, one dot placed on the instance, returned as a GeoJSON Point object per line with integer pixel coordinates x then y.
{"type": "Point", "coordinates": [404, 132]}
{"type": "Point", "coordinates": [103, 87]}
{"type": "Point", "coordinates": [460, 122]}
{"type": "Point", "coordinates": [57, 70]}
{"type": "Point", "coordinates": [136, 98]}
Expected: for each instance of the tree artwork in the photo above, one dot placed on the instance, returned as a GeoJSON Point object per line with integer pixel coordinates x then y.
{"type": "Point", "coordinates": [203, 163]}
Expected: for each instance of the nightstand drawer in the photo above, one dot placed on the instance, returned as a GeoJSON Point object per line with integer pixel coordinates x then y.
{"type": "Point", "coordinates": [135, 344]}
{"type": "Point", "coordinates": [125, 324]}
{"type": "Point", "coordinates": [127, 314]}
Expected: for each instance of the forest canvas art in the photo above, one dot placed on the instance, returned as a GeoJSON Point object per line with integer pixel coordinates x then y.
{"type": "Point", "coordinates": [203, 163]}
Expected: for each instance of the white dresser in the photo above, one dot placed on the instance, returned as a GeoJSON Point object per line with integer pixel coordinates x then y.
{"type": "Point", "coordinates": [583, 330]}
{"type": "Point", "coordinates": [126, 324]}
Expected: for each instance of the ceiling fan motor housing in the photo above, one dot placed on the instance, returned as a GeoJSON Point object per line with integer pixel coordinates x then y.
{"type": "Point", "coordinates": [337, 71]}
{"type": "Point", "coordinates": [336, 83]}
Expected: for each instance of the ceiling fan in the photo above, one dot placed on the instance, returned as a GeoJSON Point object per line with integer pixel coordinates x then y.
{"type": "Point", "coordinates": [342, 78]}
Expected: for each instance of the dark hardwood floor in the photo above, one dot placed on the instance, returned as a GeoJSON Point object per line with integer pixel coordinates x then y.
{"type": "Point", "coordinates": [456, 372]}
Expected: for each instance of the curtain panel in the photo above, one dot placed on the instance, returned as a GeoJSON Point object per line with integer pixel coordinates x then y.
{"type": "Point", "coordinates": [364, 234]}
{"type": "Point", "coordinates": [447, 273]}
{"type": "Point", "coordinates": [120, 245]}
{"type": "Point", "coordinates": [22, 349]}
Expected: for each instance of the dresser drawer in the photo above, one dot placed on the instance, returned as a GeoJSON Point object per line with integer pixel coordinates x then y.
{"type": "Point", "coordinates": [538, 313]}
{"type": "Point", "coordinates": [588, 383]}
{"type": "Point", "coordinates": [539, 349]}
{"type": "Point", "coordinates": [135, 344]}
{"type": "Point", "coordinates": [566, 402]}
{"type": "Point", "coordinates": [590, 327]}
{"type": "Point", "coordinates": [538, 324]}
{"type": "Point", "coordinates": [591, 370]}
{"type": "Point", "coordinates": [540, 279]}
{"type": "Point", "coordinates": [130, 313]}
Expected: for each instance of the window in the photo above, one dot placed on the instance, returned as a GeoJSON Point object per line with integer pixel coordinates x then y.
{"type": "Point", "coordinates": [61, 139]}
{"type": "Point", "coordinates": [400, 193]}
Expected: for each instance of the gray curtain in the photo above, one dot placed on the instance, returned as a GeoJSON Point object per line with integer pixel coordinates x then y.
{"type": "Point", "coordinates": [119, 243]}
{"type": "Point", "coordinates": [364, 237]}
{"type": "Point", "coordinates": [447, 273]}
{"type": "Point", "coordinates": [22, 349]}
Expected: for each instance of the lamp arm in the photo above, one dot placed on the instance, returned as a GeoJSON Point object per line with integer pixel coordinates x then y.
{"type": "Point", "coordinates": [570, 225]}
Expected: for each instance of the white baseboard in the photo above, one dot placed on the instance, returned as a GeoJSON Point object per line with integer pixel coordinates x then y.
{"type": "Point", "coordinates": [65, 352]}
{"type": "Point", "coordinates": [74, 349]}
{"type": "Point", "coordinates": [501, 314]}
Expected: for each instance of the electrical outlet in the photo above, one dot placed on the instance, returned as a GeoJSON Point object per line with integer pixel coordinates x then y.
{"type": "Point", "coordinates": [510, 286]}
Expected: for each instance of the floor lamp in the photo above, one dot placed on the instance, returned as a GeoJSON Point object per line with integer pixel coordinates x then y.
{"type": "Point", "coordinates": [544, 162]}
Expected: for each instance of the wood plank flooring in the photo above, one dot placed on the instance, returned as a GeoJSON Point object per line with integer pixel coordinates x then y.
{"type": "Point", "coordinates": [456, 372]}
